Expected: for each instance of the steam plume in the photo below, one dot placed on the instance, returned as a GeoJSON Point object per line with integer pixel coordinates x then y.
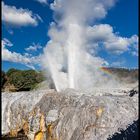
{"type": "Point", "coordinates": [68, 56]}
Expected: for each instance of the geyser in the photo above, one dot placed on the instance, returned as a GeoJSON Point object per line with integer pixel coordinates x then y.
{"type": "Point", "coordinates": [70, 56]}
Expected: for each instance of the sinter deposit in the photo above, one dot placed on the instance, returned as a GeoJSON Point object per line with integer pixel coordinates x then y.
{"type": "Point", "coordinates": [69, 115]}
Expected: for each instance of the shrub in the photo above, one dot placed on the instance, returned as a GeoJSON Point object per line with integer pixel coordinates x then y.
{"type": "Point", "coordinates": [3, 79]}
{"type": "Point", "coordinates": [24, 80]}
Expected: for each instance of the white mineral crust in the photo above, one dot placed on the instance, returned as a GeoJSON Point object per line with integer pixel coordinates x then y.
{"type": "Point", "coordinates": [74, 115]}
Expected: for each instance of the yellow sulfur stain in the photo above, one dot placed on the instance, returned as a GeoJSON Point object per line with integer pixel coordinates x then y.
{"type": "Point", "coordinates": [99, 112]}
{"type": "Point", "coordinates": [13, 133]}
{"type": "Point", "coordinates": [50, 132]}
{"type": "Point", "coordinates": [39, 136]}
{"type": "Point", "coordinates": [45, 133]}
{"type": "Point", "coordinates": [26, 127]}
{"type": "Point", "coordinates": [42, 123]}
{"type": "Point", "coordinates": [50, 129]}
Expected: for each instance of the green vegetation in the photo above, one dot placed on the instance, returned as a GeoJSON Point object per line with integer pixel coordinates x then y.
{"type": "Point", "coordinates": [21, 80]}
{"type": "Point", "coordinates": [25, 80]}
{"type": "Point", "coordinates": [3, 78]}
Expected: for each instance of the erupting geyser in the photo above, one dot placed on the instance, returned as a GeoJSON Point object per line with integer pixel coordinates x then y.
{"type": "Point", "coordinates": [70, 56]}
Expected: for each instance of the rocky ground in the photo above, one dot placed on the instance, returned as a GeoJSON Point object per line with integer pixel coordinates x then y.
{"type": "Point", "coordinates": [69, 115]}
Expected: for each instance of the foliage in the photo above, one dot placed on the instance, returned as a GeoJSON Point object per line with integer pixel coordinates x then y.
{"type": "Point", "coordinates": [3, 78]}
{"type": "Point", "coordinates": [24, 80]}
{"type": "Point", "coordinates": [11, 71]}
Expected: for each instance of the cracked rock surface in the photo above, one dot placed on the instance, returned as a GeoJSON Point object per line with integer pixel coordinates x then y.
{"type": "Point", "coordinates": [69, 115]}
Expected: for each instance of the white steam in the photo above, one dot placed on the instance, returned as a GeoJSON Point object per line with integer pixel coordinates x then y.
{"type": "Point", "coordinates": [68, 55]}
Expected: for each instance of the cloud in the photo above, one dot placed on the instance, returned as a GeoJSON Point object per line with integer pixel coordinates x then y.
{"type": "Point", "coordinates": [42, 1]}
{"type": "Point", "coordinates": [19, 17]}
{"type": "Point", "coordinates": [118, 63]}
{"type": "Point", "coordinates": [80, 10]}
{"type": "Point", "coordinates": [112, 42]}
{"type": "Point", "coordinates": [6, 42]}
{"type": "Point", "coordinates": [10, 56]}
{"type": "Point", "coordinates": [134, 45]}
{"type": "Point", "coordinates": [33, 47]}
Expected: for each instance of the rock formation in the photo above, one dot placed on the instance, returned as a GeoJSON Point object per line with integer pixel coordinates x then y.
{"type": "Point", "coordinates": [69, 115]}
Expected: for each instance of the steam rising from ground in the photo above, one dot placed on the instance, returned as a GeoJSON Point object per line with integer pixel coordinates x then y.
{"type": "Point", "coordinates": [69, 56]}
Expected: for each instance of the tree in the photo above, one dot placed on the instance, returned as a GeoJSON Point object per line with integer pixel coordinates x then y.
{"type": "Point", "coordinates": [24, 80]}
{"type": "Point", "coordinates": [11, 71]}
{"type": "Point", "coordinates": [17, 79]}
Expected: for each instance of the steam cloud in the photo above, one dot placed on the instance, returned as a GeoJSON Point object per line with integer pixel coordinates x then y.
{"type": "Point", "coordinates": [69, 56]}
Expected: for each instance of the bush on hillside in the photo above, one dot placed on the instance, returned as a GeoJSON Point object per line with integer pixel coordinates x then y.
{"type": "Point", "coordinates": [11, 71]}
{"type": "Point", "coordinates": [3, 79]}
{"type": "Point", "coordinates": [24, 80]}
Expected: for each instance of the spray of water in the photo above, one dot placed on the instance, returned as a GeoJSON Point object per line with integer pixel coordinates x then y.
{"type": "Point", "coordinates": [68, 56]}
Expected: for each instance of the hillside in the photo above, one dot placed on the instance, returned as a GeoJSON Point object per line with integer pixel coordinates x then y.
{"type": "Point", "coordinates": [26, 80]}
